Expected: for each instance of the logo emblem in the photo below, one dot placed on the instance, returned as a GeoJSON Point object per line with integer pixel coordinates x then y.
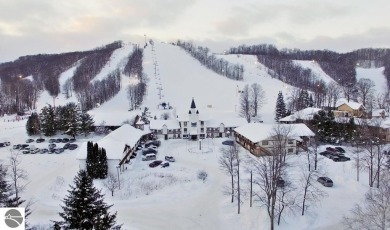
{"type": "Point", "coordinates": [13, 218]}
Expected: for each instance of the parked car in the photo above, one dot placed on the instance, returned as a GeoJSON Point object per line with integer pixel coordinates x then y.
{"type": "Point", "coordinates": [170, 158]}
{"type": "Point", "coordinates": [65, 140]}
{"type": "Point", "coordinates": [153, 142]}
{"type": "Point", "coordinates": [325, 153]}
{"type": "Point", "coordinates": [2, 145]}
{"type": "Point", "coordinates": [228, 142]}
{"type": "Point", "coordinates": [280, 182]}
{"type": "Point", "coordinates": [73, 146]}
{"type": "Point", "coordinates": [339, 149]}
{"type": "Point", "coordinates": [325, 181]}
{"type": "Point", "coordinates": [29, 140]}
{"type": "Point", "coordinates": [149, 157]}
{"type": "Point", "coordinates": [34, 150]}
{"type": "Point", "coordinates": [52, 146]}
{"type": "Point", "coordinates": [26, 151]}
{"type": "Point", "coordinates": [59, 150]}
{"type": "Point", "coordinates": [342, 159]}
{"type": "Point", "coordinates": [44, 151]}
{"type": "Point", "coordinates": [16, 146]}
{"type": "Point", "coordinates": [52, 141]}
{"type": "Point", "coordinates": [147, 151]}
{"type": "Point", "coordinates": [59, 140]}
{"type": "Point", "coordinates": [7, 143]}
{"type": "Point", "coordinates": [52, 150]}
{"type": "Point", "coordinates": [331, 149]}
{"type": "Point", "coordinates": [66, 146]}
{"type": "Point", "coordinates": [40, 140]}
{"type": "Point", "coordinates": [23, 146]}
{"type": "Point", "coordinates": [155, 164]}
{"type": "Point", "coordinates": [165, 164]}
{"type": "Point", "coordinates": [72, 140]}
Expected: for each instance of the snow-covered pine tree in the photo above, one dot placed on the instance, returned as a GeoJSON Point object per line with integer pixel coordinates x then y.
{"type": "Point", "coordinates": [33, 125]}
{"type": "Point", "coordinates": [72, 120]}
{"type": "Point", "coordinates": [280, 110]}
{"type": "Point", "coordinates": [89, 160]}
{"type": "Point", "coordinates": [5, 188]}
{"type": "Point", "coordinates": [86, 123]}
{"type": "Point", "coordinates": [48, 125]}
{"type": "Point", "coordinates": [103, 166]}
{"type": "Point", "coordinates": [84, 207]}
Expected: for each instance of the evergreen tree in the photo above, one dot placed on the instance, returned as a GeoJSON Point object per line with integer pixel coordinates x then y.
{"type": "Point", "coordinates": [5, 188]}
{"type": "Point", "coordinates": [33, 125]}
{"type": "Point", "coordinates": [86, 123]}
{"type": "Point", "coordinates": [48, 124]}
{"type": "Point", "coordinates": [280, 111]}
{"type": "Point", "coordinates": [60, 118]}
{"type": "Point", "coordinates": [103, 166]}
{"type": "Point", "coordinates": [90, 161]}
{"type": "Point", "coordinates": [84, 207]}
{"type": "Point", "coordinates": [72, 120]}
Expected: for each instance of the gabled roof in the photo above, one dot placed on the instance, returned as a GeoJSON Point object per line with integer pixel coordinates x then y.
{"type": "Point", "coordinates": [115, 142]}
{"type": "Point", "coordinates": [305, 114]}
{"type": "Point", "coordinates": [227, 122]}
{"type": "Point", "coordinates": [352, 104]}
{"type": "Point", "coordinates": [256, 132]}
{"type": "Point", "coordinates": [158, 124]}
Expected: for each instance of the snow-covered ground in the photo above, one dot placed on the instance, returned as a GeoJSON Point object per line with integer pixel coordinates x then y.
{"type": "Point", "coordinates": [376, 75]}
{"type": "Point", "coordinates": [173, 197]}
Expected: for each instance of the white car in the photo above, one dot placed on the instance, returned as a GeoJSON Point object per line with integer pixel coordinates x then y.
{"type": "Point", "coordinates": [169, 158]}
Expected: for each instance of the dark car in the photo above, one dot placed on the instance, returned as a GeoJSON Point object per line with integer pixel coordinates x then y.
{"type": "Point", "coordinates": [325, 153]}
{"type": "Point", "coordinates": [52, 146]}
{"type": "Point", "coordinates": [43, 151]}
{"type": "Point", "coordinates": [29, 140]}
{"type": "Point", "coordinates": [331, 149]}
{"type": "Point", "coordinates": [2, 145]}
{"type": "Point", "coordinates": [280, 182]}
{"type": "Point", "coordinates": [23, 146]}
{"type": "Point", "coordinates": [325, 181]}
{"type": "Point", "coordinates": [65, 140]}
{"type": "Point", "coordinates": [59, 150]}
{"type": "Point", "coordinates": [66, 146]}
{"type": "Point", "coordinates": [40, 140]}
{"type": "Point", "coordinates": [72, 140]}
{"type": "Point", "coordinates": [165, 164]}
{"type": "Point", "coordinates": [59, 140]}
{"type": "Point", "coordinates": [18, 146]}
{"type": "Point", "coordinates": [155, 164]}
{"type": "Point", "coordinates": [26, 151]}
{"type": "Point", "coordinates": [73, 146]}
{"type": "Point", "coordinates": [51, 151]}
{"type": "Point", "coordinates": [147, 151]}
{"type": "Point", "coordinates": [228, 142]}
{"type": "Point", "coordinates": [52, 141]}
{"type": "Point", "coordinates": [153, 142]}
{"type": "Point", "coordinates": [339, 149]}
{"type": "Point", "coordinates": [342, 159]}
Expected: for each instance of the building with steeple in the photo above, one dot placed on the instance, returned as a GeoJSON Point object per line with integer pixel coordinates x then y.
{"type": "Point", "coordinates": [194, 126]}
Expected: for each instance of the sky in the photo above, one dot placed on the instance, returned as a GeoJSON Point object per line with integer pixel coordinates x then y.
{"type": "Point", "coordinates": [46, 26]}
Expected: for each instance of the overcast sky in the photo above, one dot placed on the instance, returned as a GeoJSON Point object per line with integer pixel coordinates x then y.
{"type": "Point", "coordinates": [54, 26]}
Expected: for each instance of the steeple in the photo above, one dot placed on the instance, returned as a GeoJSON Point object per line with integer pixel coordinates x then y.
{"type": "Point", "coordinates": [193, 106]}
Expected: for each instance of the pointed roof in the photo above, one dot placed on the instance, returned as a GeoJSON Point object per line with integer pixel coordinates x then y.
{"type": "Point", "coordinates": [193, 106]}
{"type": "Point", "coordinates": [197, 112]}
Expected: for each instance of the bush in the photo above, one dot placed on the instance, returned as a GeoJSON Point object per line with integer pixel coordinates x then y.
{"type": "Point", "coordinates": [202, 175]}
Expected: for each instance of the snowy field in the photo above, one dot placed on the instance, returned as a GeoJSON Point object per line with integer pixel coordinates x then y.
{"type": "Point", "coordinates": [173, 197]}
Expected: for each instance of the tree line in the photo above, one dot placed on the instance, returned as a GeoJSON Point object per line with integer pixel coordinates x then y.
{"type": "Point", "coordinates": [218, 65]}
{"type": "Point", "coordinates": [68, 119]}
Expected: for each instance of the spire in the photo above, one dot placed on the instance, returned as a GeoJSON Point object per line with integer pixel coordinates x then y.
{"type": "Point", "coordinates": [197, 112]}
{"type": "Point", "coordinates": [189, 111]}
{"type": "Point", "coordinates": [193, 106]}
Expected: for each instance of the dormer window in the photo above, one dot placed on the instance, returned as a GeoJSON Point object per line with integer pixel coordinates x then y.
{"type": "Point", "coordinates": [193, 124]}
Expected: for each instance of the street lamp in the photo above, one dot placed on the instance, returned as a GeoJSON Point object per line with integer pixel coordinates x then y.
{"type": "Point", "coordinates": [119, 181]}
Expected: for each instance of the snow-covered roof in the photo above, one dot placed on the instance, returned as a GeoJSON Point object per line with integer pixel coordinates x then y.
{"type": "Point", "coordinates": [352, 104]}
{"type": "Point", "coordinates": [256, 132]}
{"type": "Point", "coordinates": [305, 114]}
{"type": "Point", "coordinates": [379, 112]}
{"type": "Point", "coordinates": [115, 142]}
{"type": "Point", "coordinates": [227, 122]}
{"type": "Point", "coordinates": [158, 124]}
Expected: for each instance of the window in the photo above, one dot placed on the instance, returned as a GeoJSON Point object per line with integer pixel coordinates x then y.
{"type": "Point", "coordinates": [185, 130]}
{"type": "Point", "coordinates": [201, 122]}
{"type": "Point", "coordinates": [264, 143]}
{"type": "Point", "coordinates": [290, 142]}
{"type": "Point", "coordinates": [185, 124]}
{"type": "Point", "coordinates": [202, 130]}
{"type": "Point", "coordinates": [193, 124]}
{"type": "Point", "coordinates": [290, 150]}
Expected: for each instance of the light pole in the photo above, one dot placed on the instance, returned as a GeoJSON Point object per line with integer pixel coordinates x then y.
{"type": "Point", "coordinates": [119, 181]}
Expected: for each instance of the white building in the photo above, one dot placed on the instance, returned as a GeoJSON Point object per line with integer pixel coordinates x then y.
{"type": "Point", "coordinates": [193, 126]}
{"type": "Point", "coordinates": [120, 144]}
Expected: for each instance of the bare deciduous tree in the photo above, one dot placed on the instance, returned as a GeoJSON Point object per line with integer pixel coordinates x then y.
{"type": "Point", "coordinates": [257, 97]}
{"type": "Point", "coordinates": [245, 104]}
{"type": "Point", "coordinates": [375, 212]}
{"type": "Point", "coordinates": [17, 175]}
{"type": "Point", "coordinates": [111, 183]}
{"type": "Point", "coordinates": [365, 89]}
